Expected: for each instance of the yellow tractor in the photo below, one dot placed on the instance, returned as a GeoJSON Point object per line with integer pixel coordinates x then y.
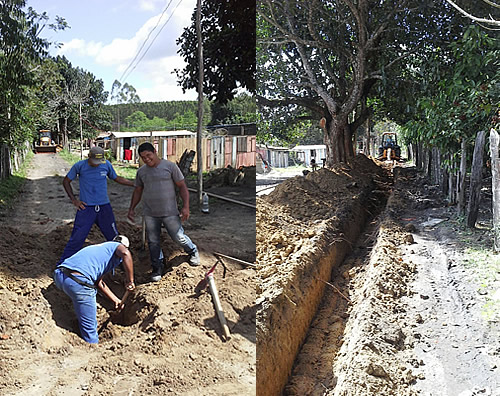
{"type": "Point", "coordinates": [389, 149]}
{"type": "Point", "coordinates": [44, 143]}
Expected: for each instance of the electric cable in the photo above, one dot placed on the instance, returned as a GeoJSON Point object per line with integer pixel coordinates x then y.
{"type": "Point", "coordinates": [147, 38]}
{"type": "Point", "coordinates": [147, 49]}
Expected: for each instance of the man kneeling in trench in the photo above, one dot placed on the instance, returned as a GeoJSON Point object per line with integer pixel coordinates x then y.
{"type": "Point", "coordinates": [80, 275]}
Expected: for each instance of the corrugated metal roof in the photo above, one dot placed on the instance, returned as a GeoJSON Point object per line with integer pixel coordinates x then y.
{"type": "Point", "coordinates": [121, 135]}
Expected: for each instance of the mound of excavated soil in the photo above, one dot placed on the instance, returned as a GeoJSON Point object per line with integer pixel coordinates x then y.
{"type": "Point", "coordinates": [304, 229]}
{"type": "Point", "coordinates": [231, 177]}
{"type": "Point", "coordinates": [168, 340]}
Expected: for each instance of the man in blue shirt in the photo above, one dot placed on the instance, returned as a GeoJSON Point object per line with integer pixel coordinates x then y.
{"type": "Point", "coordinates": [93, 204]}
{"type": "Point", "coordinates": [80, 275]}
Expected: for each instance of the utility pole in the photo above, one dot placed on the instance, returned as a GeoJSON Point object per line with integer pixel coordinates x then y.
{"type": "Point", "coordinates": [199, 131]}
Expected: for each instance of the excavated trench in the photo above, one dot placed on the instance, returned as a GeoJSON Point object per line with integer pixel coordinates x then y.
{"type": "Point", "coordinates": [305, 229]}
{"type": "Point", "coordinates": [312, 372]}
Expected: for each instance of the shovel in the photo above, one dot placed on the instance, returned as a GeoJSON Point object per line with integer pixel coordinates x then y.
{"type": "Point", "coordinates": [114, 314]}
{"type": "Point", "coordinates": [210, 282]}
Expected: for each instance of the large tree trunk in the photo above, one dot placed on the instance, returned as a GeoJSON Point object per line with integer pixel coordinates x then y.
{"type": "Point", "coordinates": [461, 179]}
{"type": "Point", "coordinates": [475, 180]}
{"type": "Point", "coordinates": [495, 187]}
{"type": "Point", "coordinates": [338, 141]}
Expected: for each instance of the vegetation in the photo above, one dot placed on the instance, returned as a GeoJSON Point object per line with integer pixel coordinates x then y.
{"type": "Point", "coordinates": [10, 187]}
{"type": "Point", "coordinates": [176, 115]}
{"type": "Point", "coordinates": [21, 53]}
{"type": "Point", "coordinates": [332, 60]}
{"type": "Point", "coordinates": [228, 30]}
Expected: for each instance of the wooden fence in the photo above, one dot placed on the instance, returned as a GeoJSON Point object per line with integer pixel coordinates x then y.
{"type": "Point", "coordinates": [12, 160]}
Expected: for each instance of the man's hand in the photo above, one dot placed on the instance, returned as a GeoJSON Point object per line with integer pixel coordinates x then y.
{"type": "Point", "coordinates": [119, 306]}
{"type": "Point", "coordinates": [184, 214]}
{"type": "Point", "coordinates": [79, 204]}
{"type": "Point", "coordinates": [131, 215]}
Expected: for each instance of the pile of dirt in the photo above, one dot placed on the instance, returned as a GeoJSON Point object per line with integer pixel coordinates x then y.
{"type": "Point", "coordinates": [230, 176]}
{"type": "Point", "coordinates": [168, 340]}
{"type": "Point", "coordinates": [304, 229]}
{"type": "Point", "coordinates": [291, 220]}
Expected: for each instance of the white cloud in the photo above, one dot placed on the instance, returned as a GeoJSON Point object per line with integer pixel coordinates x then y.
{"type": "Point", "coordinates": [163, 82]}
{"type": "Point", "coordinates": [80, 47]}
{"type": "Point", "coordinates": [153, 75]}
{"type": "Point", "coordinates": [149, 5]}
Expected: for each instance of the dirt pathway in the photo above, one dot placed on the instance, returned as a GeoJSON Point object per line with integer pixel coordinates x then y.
{"type": "Point", "coordinates": [457, 348]}
{"type": "Point", "coordinates": [168, 339]}
{"type": "Point", "coordinates": [44, 204]}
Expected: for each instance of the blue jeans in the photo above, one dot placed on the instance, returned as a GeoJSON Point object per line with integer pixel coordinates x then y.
{"type": "Point", "coordinates": [174, 228]}
{"type": "Point", "coordinates": [101, 215]}
{"type": "Point", "coordinates": [84, 302]}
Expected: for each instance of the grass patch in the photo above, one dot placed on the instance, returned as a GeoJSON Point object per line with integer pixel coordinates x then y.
{"type": "Point", "coordinates": [10, 187]}
{"type": "Point", "coordinates": [486, 265]}
{"type": "Point", "coordinates": [126, 171]}
{"type": "Point", "coordinates": [69, 157]}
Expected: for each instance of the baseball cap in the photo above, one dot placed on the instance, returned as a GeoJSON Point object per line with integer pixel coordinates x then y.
{"type": "Point", "coordinates": [96, 155]}
{"type": "Point", "coordinates": [122, 239]}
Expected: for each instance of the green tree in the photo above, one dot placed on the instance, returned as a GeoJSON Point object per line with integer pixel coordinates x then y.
{"type": "Point", "coordinates": [228, 31]}
{"type": "Point", "coordinates": [462, 93]}
{"type": "Point", "coordinates": [241, 109]}
{"type": "Point", "coordinates": [125, 93]}
{"type": "Point", "coordinates": [21, 51]}
{"type": "Point", "coordinates": [325, 59]}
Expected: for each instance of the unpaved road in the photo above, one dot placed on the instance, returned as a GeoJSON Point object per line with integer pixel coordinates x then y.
{"type": "Point", "coordinates": [167, 341]}
{"type": "Point", "coordinates": [455, 305]}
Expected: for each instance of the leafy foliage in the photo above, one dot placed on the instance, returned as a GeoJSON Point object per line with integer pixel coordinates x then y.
{"type": "Point", "coordinates": [228, 31]}
{"type": "Point", "coordinates": [331, 57]}
{"type": "Point", "coordinates": [125, 93]}
{"type": "Point", "coordinates": [461, 96]}
{"type": "Point", "coordinates": [21, 51]}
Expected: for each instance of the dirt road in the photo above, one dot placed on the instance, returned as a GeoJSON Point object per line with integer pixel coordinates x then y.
{"type": "Point", "coordinates": [167, 341]}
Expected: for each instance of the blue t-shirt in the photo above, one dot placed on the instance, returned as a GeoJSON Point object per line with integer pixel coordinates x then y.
{"type": "Point", "coordinates": [94, 261]}
{"type": "Point", "coordinates": [93, 181]}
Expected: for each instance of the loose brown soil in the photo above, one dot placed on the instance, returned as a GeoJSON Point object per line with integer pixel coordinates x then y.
{"type": "Point", "coordinates": [168, 340]}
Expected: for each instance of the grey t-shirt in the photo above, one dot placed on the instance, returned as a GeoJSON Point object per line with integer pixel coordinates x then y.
{"type": "Point", "coordinates": [158, 196]}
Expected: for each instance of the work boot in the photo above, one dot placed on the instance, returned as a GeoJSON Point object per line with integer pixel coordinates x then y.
{"type": "Point", "coordinates": [156, 274]}
{"type": "Point", "coordinates": [194, 259]}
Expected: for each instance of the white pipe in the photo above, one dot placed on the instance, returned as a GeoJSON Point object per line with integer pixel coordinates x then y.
{"type": "Point", "coordinates": [218, 306]}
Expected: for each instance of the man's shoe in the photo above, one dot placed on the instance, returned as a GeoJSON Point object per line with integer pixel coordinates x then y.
{"type": "Point", "coordinates": [156, 276]}
{"type": "Point", "coordinates": [194, 259]}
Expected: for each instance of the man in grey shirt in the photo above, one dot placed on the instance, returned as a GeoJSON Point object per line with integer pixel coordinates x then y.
{"type": "Point", "coordinates": [155, 182]}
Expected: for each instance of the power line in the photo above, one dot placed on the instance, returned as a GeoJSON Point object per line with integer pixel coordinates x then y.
{"type": "Point", "coordinates": [147, 38]}
{"type": "Point", "coordinates": [155, 37]}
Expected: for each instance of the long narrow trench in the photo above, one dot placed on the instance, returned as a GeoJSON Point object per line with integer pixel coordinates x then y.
{"type": "Point", "coordinates": [312, 372]}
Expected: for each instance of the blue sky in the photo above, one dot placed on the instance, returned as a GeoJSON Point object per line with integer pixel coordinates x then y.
{"type": "Point", "coordinates": [105, 36]}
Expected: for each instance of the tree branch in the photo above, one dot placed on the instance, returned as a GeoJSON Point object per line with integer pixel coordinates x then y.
{"type": "Point", "coordinates": [482, 20]}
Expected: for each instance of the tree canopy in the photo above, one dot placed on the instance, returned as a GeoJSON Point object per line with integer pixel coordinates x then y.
{"type": "Point", "coordinates": [21, 53]}
{"type": "Point", "coordinates": [228, 30]}
{"type": "Point", "coordinates": [326, 59]}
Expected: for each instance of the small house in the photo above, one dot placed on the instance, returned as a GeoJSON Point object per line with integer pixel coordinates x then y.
{"type": "Point", "coordinates": [306, 152]}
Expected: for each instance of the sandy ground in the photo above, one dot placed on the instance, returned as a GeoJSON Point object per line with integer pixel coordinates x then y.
{"type": "Point", "coordinates": [413, 310]}
{"type": "Point", "coordinates": [168, 339]}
